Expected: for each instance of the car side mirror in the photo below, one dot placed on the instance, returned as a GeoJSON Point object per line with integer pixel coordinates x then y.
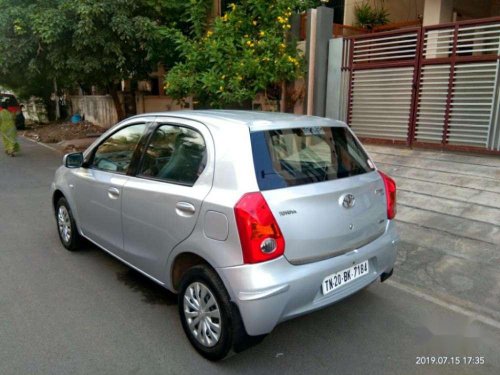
{"type": "Point", "coordinates": [73, 160]}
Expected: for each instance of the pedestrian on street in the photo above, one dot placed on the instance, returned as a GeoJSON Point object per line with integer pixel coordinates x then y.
{"type": "Point", "coordinates": [8, 131]}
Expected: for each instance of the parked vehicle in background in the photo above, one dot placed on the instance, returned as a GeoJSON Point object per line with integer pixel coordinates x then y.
{"type": "Point", "coordinates": [15, 108]}
{"type": "Point", "coordinates": [253, 218]}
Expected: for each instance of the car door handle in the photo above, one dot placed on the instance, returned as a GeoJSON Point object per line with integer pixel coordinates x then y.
{"type": "Point", "coordinates": [113, 193]}
{"type": "Point", "coordinates": [184, 209]}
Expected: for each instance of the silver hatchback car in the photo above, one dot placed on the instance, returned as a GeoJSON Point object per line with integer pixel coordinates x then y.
{"type": "Point", "coordinates": [252, 218]}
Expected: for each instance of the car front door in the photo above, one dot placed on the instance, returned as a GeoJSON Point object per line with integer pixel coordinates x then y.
{"type": "Point", "coordinates": [98, 187]}
{"type": "Point", "coordinates": [161, 203]}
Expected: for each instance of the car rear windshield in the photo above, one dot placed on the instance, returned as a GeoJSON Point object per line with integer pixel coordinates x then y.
{"type": "Point", "coordinates": [290, 157]}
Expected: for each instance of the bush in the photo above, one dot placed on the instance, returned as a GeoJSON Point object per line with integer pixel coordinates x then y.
{"type": "Point", "coordinates": [241, 53]}
{"type": "Point", "coordinates": [368, 17]}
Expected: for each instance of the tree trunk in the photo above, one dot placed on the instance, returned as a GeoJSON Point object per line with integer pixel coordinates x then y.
{"type": "Point", "coordinates": [120, 113]}
{"type": "Point", "coordinates": [56, 96]}
{"type": "Point", "coordinates": [290, 98]}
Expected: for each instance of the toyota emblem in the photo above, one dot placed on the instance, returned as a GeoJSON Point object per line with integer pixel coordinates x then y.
{"type": "Point", "coordinates": [348, 201]}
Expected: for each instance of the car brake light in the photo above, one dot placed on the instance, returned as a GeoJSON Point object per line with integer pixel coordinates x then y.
{"type": "Point", "coordinates": [260, 236]}
{"type": "Point", "coordinates": [390, 193]}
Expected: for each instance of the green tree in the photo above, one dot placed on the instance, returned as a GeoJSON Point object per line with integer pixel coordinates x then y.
{"type": "Point", "coordinates": [22, 67]}
{"type": "Point", "coordinates": [90, 42]}
{"type": "Point", "coordinates": [244, 52]}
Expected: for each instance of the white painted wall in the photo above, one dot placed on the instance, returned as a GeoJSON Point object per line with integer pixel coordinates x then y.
{"type": "Point", "coordinates": [437, 11]}
{"type": "Point", "coordinates": [34, 110]}
{"type": "Point", "coordinates": [152, 103]}
{"type": "Point", "coordinates": [98, 109]}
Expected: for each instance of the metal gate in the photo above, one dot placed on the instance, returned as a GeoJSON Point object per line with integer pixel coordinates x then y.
{"type": "Point", "coordinates": [433, 86]}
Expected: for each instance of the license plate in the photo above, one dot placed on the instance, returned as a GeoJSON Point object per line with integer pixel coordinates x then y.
{"type": "Point", "coordinates": [338, 279]}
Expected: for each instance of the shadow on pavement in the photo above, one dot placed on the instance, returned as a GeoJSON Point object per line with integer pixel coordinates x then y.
{"type": "Point", "coordinates": [152, 293]}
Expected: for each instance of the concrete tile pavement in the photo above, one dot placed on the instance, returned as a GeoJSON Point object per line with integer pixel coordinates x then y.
{"type": "Point", "coordinates": [449, 222]}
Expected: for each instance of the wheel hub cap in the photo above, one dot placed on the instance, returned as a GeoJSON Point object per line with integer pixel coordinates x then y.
{"type": "Point", "coordinates": [64, 223]}
{"type": "Point", "coordinates": [202, 314]}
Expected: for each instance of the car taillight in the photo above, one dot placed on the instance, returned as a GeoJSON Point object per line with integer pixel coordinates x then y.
{"type": "Point", "coordinates": [260, 236]}
{"type": "Point", "coordinates": [390, 193]}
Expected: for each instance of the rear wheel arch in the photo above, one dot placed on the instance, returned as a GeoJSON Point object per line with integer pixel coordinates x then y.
{"type": "Point", "coordinates": [182, 263]}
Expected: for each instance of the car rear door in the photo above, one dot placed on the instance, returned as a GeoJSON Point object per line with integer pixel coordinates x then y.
{"type": "Point", "coordinates": [162, 202]}
{"type": "Point", "coordinates": [322, 189]}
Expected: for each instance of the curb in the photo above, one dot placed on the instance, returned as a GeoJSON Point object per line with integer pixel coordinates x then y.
{"type": "Point", "coordinates": [42, 144]}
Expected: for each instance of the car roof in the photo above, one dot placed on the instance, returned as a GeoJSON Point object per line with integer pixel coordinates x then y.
{"type": "Point", "coordinates": [254, 120]}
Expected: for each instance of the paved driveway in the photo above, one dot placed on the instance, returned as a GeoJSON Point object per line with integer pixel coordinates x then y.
{"type": "Point", "coordinates": [86, 313]}
{"type": "Point", "coordinates": [449, 221]}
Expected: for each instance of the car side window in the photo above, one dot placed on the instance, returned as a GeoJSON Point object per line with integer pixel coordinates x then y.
{"type": "Point", "coordinates": [175, 154]}
{"type": "Point", "coordinates": [115, 153]}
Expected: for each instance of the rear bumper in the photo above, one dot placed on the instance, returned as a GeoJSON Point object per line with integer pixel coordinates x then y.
{"type": "Point", "coordinates": [275, 291]}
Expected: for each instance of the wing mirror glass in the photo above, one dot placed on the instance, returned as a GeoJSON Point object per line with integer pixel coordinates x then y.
{"type": "Point", "coordinates": [73, 160]}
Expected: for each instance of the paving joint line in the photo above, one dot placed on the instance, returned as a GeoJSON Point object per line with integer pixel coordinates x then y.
{"type": "Point", "coordinates": [450, 215]}
{"type": "Point", "coordinates": [437, 170]}
{"type": "Point", "coordinates": [446, 231]}
{"type": "Point", "coordinates": [443, 160]}
{"type": "Point", "coordinates": [448, 199]}
{"type": "Point", "coordinates": [432, 229]}
{"type": "Point", "coordinates": [486, 263]}
{"type": "Point", "coordinates": [450, 306]}
{"type": "Point", "coordinates": [441, 183]}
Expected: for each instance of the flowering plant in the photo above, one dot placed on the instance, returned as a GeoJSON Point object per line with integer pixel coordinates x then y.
{"type": "Point", "coordinates": [243, 52]}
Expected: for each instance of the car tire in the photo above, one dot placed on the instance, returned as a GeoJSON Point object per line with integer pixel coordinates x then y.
{"type": "Point", "coordinates": [66, 226]}
{"type": "Point", "coordinates": [201, 290]}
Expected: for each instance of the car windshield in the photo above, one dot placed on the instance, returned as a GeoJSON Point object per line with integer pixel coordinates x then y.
{"type": "Point", "coordinates": [9, 99]}
{"type": "Point", "coordinates": [287, 157]}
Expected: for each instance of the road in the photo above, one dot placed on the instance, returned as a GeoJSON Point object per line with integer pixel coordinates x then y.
{"type": "Point", "coordinates": [86, 313]}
